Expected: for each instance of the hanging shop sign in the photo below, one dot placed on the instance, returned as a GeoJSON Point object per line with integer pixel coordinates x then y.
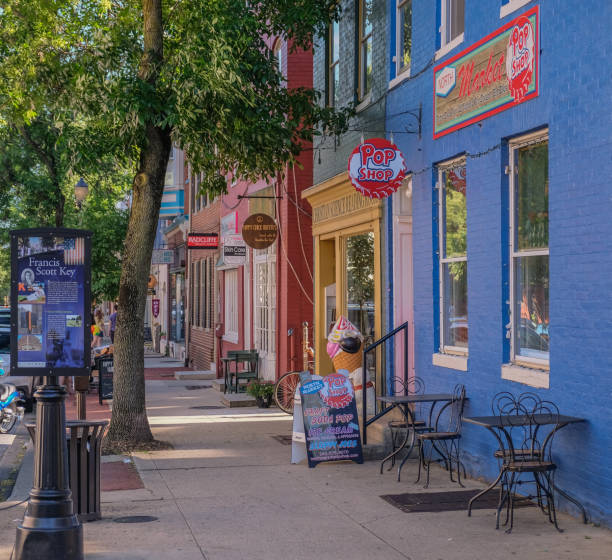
{"type": "Point", "coordinates": [155, 307]}
{"type": "Point", "coordinates": [259, 231]}
{"type": "Point", "coordinates": [234, 250]}
{"type": "Point", "coordinates": [494, 74]}
{"type": "Point", "coordinates": [376, 168]}
{"type": "Point", "coordinates": [203, 241]}
{"type": "Point", "coordinates": [50, 299]}
{"type": "Point", "coordinates": [331, 425]}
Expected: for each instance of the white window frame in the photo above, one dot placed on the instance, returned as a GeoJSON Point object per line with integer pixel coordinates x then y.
{"type": "Point", "coordinates": [264, 339]}
{"type": "Point", "coordinates": [364, 96]}
{"type": "Point", "coordinates": [333, 61]}
{"type": "Point", "coordinates": [511, 6]}
{"type": "Point", "coordinates": [446, 47]}
{"type": "Point", "coordinates": [231, 305]}
{"type": "Point", "coordinates": [442, 168]}
{"type": "Point", "coordinates": [514, 146]}
{"type": "Point", "coordinates": [400, 71]}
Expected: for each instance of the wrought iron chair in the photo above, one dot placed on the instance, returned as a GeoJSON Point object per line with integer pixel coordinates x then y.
{"type": "Point", "coordinates": [528, 428]}
{"type": "Point", "coordinates": [444, 438]}
{"type": "Point", "coordinates": [414, 386]}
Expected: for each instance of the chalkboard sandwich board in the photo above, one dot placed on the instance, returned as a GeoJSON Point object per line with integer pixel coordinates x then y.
{"type": "Point", "coordinates": [106, 368]}
{"type": "Point", "coordinates": [331, 424]}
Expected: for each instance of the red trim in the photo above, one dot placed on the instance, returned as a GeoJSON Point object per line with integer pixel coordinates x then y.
{"type": "Point", "coordinates": [535, 10]}
{"type": "Point", "coordinates": [368, 385]}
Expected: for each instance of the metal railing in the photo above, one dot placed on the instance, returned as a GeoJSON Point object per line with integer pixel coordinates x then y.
{"type": "Point", "coordinates": [384, 389]}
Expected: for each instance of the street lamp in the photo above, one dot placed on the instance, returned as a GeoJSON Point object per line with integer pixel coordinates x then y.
{"type": "Point", "coordinates": [80, 192]}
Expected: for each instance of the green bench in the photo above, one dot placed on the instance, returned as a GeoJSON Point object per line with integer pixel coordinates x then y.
{"type": "Point", "coordinates": [246, 366]}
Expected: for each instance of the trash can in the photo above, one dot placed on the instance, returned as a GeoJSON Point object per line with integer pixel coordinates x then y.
{"type": "Point", "coordinates": [84, 447]}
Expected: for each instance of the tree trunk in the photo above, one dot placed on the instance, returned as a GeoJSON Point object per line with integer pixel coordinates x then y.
{"type": "Point", "coordinates": [129, 424]}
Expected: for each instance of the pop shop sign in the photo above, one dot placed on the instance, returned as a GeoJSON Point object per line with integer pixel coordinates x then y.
{"type": "Point", "coordinates": [494, 74]}
{"type": "Point", "coordinates": [376, 168]}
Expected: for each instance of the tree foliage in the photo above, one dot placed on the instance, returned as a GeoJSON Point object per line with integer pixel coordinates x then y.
{"type": "Point", "coordinates": [137, 76]}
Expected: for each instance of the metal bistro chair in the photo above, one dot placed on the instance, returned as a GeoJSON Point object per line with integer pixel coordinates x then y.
{"type": "Point", "coordinates": [250, 367]}
{"type": "Point", "coordinates": [414, 386]}
{"type": "Point", "coordinates": [444, 438]}
{"type": "Point", "coordinates": [529, 431]}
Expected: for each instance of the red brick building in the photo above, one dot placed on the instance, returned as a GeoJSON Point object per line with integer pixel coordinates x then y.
{"type": "Point", "coordinates": [257, 301]}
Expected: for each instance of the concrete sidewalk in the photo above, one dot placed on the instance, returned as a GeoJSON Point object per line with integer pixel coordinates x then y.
{"type": "Point", "coordinates": [228, 492]}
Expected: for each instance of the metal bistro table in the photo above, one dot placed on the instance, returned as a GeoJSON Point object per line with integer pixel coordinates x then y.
{"type": "Point", "coordinates": [497, 426]}
{"type": "Point", "coordinates": [403, 402]}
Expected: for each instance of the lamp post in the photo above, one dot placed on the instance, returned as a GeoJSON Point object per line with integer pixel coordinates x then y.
{"type": "Point", "coordinates": [80, 192]}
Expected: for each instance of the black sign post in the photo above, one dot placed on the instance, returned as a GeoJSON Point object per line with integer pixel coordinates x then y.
{"type": "Point", "coordinates": [106, 368]}
{"type": "Point", "coordinates": [50, 337]}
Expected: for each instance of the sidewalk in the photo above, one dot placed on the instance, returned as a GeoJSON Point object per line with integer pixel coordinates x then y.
{"type": "Point", "coordinates": [228, 492]}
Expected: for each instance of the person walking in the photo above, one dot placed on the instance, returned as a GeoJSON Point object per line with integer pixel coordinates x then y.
{"type": "Point", "coordinates": [97, 328]}
{"type": "Point", "coordinates": [113, 322]}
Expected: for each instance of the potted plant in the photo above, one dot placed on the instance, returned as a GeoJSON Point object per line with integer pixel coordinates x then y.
{"type": "Point", "coordinates": [263, 391]}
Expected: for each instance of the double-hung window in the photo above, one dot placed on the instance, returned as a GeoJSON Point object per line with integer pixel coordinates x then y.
{"type": "Point", "coordinates": [403, 23]}
{"type": "Point", "coordinates": [452, 235]}
{"type": "Point", "coordinates": [529, 252]}
{"type": "Point", "coordinates": [365, 48]}
{"type": "Point", "coordinates": [452, 24]}
{"type": "Point", "coordinates": [333, 61]}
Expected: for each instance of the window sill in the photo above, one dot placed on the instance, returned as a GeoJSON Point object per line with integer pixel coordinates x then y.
{"type": "Point", "coordinates": [442, 51]}
{"type": "Point", "coordinates": [527, 376]}
{"type": "Point", "coordinates": [403, 76]}
{"type": "Point", "coordinates": [511, 6]}
{"type": "Point", "coordinates": [364, 104]}
{"type": "Point", "coordinates": [450, 361]}
{"type": "Point", "coordinates": [231, 337]}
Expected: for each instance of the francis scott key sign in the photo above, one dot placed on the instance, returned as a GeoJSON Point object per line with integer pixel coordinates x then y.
{"type": "Point", "coordinates": [376, 168]}
{"type": "Point", "coordinates": [494, 74]}
{"type": "Point", "coordinates": [330, 419]}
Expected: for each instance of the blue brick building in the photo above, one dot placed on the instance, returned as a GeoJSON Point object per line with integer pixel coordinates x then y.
{"type": "Point", "coordinates": [509, 231]}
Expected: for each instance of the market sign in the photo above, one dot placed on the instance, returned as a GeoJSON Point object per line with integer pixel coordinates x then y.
{"type": "Point", "coordinates": [162, 256]}
{"type": "Point", "coordinates": [259, 231]}
{"type": "Point", "coordinates": [376, 168]}
{"type": "Point", "coordinates": [498, 72]}
{"type": "Point", "coordinates": [203, 241]}
{"type": "Point", "coordinates": [331, 426]}
{"type": "Point", "coordinates": [50, 302]}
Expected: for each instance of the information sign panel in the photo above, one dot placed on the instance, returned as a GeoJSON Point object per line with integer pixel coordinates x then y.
{"type": "Point", "coordinates": [50, 302]}
{"type": "Point", "coordinates": [331, 425]}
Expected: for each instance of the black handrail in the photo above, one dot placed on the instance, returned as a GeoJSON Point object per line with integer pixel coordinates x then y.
{"type": "Point", "coordinates": [364, 373]}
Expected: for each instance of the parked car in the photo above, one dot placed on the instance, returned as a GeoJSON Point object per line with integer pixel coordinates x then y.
{"type": "Point", "coordinates": [24, 383]}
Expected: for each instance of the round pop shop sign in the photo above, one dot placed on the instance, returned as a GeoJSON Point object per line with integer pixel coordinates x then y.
{"type": "Point", "coordinates": [520, 55]}
{"type": "Point", "coordinates": [376, 168]}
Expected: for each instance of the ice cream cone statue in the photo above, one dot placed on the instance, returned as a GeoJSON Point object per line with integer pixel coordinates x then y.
{"type": "Point", "coordinates": [345, 348]}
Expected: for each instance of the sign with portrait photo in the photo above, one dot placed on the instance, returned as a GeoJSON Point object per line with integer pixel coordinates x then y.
{"type": "Point", "coordinates": [50, 301]}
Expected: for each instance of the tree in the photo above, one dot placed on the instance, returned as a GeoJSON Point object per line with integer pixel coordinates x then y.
{"type": "Point", "coordinates": [196, 73]}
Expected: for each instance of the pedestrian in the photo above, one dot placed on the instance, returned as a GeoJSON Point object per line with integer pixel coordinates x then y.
{"type": "Point", "coordinates": [96, 330]}
{"type": "Point", "coordinates": [113, 322]}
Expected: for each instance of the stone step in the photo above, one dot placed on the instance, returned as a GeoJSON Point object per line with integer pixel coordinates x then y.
{"type": "Point", "coordinates": [219, 384]}
{"type": "Point", "coordinates": [233, 400]}
{"type": "Point", "coordinates": [191, 375]}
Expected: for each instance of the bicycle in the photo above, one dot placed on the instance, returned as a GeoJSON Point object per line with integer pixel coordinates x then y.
{"type": "Point", "coordinates": [285, 387]}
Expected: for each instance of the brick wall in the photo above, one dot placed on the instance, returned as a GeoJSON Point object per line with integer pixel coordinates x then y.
{"type": "Point", "coordinates": [332, 157]}
{"type": "Point", "coordinates": [573, 104]}
{"type": "Point", "coordinates": [202, 340]}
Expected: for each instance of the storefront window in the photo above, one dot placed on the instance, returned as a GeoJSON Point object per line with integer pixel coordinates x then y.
{"type": "Point", "coordinates": [530, 254]}
{"type": "Point", "coordinates": [453, 257]}
{"type": "Point", "coordinates": [360, 283]}
{"type": "Point", "coordinates": [177, 307]}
